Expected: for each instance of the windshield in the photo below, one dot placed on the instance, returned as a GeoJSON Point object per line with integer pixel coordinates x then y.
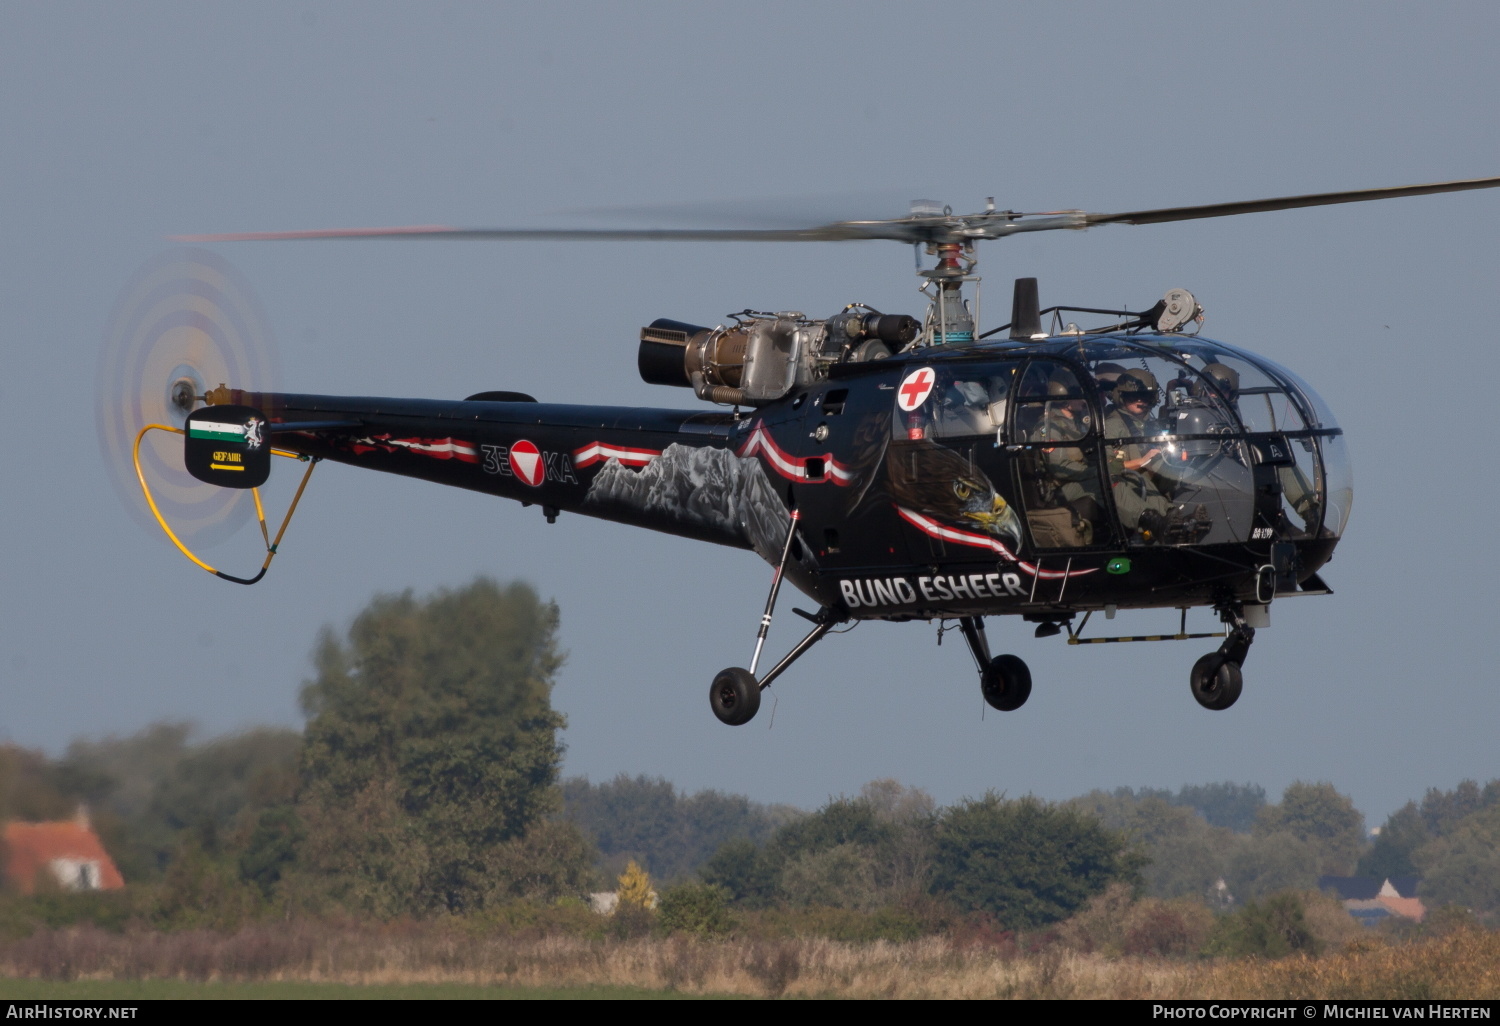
{"type": "Point", "coordinates": [1120, 440]}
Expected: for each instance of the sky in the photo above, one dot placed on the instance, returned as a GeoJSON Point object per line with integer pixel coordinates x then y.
{"type": "Point", "coordinates": [123, 124]}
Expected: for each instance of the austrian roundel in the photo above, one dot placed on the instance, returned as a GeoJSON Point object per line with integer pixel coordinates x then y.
{"type": "Point", "coordinates": [526, 461]}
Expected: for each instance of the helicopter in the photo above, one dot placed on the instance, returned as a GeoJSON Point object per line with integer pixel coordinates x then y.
{"type": "Point", "coordinates": [890, 467]}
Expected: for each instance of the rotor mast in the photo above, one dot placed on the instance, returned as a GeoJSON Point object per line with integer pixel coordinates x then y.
{"type": "Point", "coordinates": [951, 318]}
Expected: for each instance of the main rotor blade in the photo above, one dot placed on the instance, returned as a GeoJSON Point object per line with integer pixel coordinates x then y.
{"type": "Point", "coordinates": [838, 232]}
{"type": "Point", "coordinates": [947, 228]}
{"type": "Point", "coordinates": [1287, 202]}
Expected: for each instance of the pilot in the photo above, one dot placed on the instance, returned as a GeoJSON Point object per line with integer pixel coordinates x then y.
{"type": "Point", "coordinates": [1074, 480]}
{"type": "Point", "coordinates": [1295, 488]}
{"type": "Point", "coordinates": [1137, 489]}
{"type": "Point", "coordinates": [1225, 379]}
{"type": "Point", "coordinates": [1105, 375]}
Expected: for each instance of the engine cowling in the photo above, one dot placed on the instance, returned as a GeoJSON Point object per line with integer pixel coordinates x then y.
{"type": "Point", "coordinates": [763, 357]}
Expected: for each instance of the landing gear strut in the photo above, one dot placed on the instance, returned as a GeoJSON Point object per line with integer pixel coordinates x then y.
{"type": "Point", "coordinates": [735, 692]}
{"type": "Point", "coordinates": [1217, 678]}
{"type": "Point", "coordinates": [1004, 680]}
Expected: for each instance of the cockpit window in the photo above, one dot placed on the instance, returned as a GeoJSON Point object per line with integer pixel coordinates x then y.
{"type": "Point", "coordinates": [953, 401]}
{"type": "Point", "coordinates": [1178, 470]}
{"type": "Point", "coordinates": [1059, 471]}
{"type": "Point", "coordinates": [1121, 440]}
{"type": "Point", "coordinates": [1272, 401]}
{"type": "Point", "coordinates": [1263, 403]}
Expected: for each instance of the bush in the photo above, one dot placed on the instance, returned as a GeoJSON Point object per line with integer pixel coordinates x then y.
{"type": "Point", "coordinates": [891, 923]}
{"type": "Point", "coordinates": [746, 872]}
{"type": "Point", "coordinates": [694, 908]}
{"type": "Point", "coordinates": [551, 861]}
{"type": "Point", "coordinates": [51, 908]}
{"type": "Point", "coordinates": [1114, 923]}
{"type": "Point", "coordinates": [1025, 862]}
{"type": "Point", "coordinates": [1168, 929]}
{"type": "Point", "coordinates": [1273, 928]}
{"type": "Point", "coordinates": [840, 877]}
{"type": "Point", "coordinates": [565, 917]}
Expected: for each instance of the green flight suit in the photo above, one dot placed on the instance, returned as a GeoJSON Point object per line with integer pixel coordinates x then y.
{"type": "Point", "coordinates": [1073, 476]}
{"type": "Point", "coordinates": [1135, 491]}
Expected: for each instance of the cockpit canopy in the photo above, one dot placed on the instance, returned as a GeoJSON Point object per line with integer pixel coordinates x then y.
{"type": "Point", "coordinates": [1147, 439]}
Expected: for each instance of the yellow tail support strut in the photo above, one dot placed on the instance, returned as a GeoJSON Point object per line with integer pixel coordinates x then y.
{"type": "Point", "coordinates": [260, 512]}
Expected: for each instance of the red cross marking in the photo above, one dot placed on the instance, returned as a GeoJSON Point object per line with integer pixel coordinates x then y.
{"type": "Point", "coordinates": [915, 389]}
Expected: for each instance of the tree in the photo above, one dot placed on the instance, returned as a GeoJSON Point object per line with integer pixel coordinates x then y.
{"type": "Point", "coordinates": [671, 834]}
{"type": "Point", "coordinates": [841, 821]}
{"type": "Point", "coordinates": [233, 793]}
{"type": "Point", "coordinates": [1412, 826]}
{"type": "Point", "coordinates": [695, 908]}
{"type": "Point", "coordinates": [865, 852]}
{"type": "Point", "coordinates": [868, 852]}
{"type": "Point", "coordinates": [1463, 867]}
{"type": "Point", "coordinates": [32, 789]}
{"type": "Point", "coordinates": [1026, 862]}
{"type": "Point", "coordinates": [1273, 928]}
{"type": "Point", "coordinates": [123, 773]}
{"type": "Point", "coordinates": [1270, 862]}
{"type": "Point", "coordinates": [1390, 855]}
{"type": "Point", "coordinates": [145, 789]}
{"type": "Point", "coordinates": [634, 887]}
{"type": "Point", "coordinates": [1186, 856]}
{"type": "Point", "coordinates": [431, 739]}
{"type": "Point", "coordinates": [1232, 806]}
{"type": "Point", "coordinates": [747, 873]}
{"type": "Point", "coordinates": [553, 859]}
{"type": "Point", "coordinates": [1318, 815]}
{"type": "Point", "coordinates": [1442, 810]}
{"type": "Point", "coordinates": [839, 877]}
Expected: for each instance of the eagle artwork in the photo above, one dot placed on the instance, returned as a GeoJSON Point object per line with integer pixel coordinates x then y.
{"type": "Point", "coordinates": [925, 477]}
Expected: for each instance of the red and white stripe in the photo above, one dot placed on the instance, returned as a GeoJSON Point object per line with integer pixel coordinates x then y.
{"type": "Point", "coordinates": [794, 468]}
{"type": "Point", "coordinates": [981, 541]}
{"type": "Point", "coordinates": [598, 452]}
{"type": "Point", "coordinates": [437, 448]}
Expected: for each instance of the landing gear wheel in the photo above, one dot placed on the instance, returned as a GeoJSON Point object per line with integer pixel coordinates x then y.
{"type": "Point", "coordinates": [1217, 681]}
{"type": "Point", "coordinates": [1006, 683]}
{"type": "Point", "coordinates": [735, 696]}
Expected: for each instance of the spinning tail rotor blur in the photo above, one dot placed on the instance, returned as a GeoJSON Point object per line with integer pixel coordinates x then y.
{"type": "Point", "coordinates": [187, 321]}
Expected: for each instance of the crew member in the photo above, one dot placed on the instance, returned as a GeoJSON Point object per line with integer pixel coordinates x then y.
{"type": "Point", "coordinates": [1136, 487]}
{"type": "Point", "coordinates": [1296, 490]}
{"type": "Point", "coordinates": [1073, 479]}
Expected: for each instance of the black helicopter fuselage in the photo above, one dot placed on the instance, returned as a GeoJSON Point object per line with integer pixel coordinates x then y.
{"type": "Point", "coordinates": [951, 506]}
{"type": "Point", "coordinates": [895, 467]}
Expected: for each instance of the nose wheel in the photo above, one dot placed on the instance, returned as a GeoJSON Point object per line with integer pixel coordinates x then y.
{"type": "Point", "coordinates": [1217, 679]}
{"type": "Point", "coordinates": [1005, 683]}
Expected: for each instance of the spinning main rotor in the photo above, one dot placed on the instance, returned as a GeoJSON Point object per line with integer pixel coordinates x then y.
{"type": "Point", "coordinates": [938, 229]}
{"type": "Point", "coordinates": [948, 236]}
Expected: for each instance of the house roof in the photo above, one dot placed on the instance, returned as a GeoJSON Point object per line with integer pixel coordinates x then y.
{"type": "Point", "coordinates": [1364, 888]}
{"type": "Point", "coordinates": [1406, 886]}
{"type": "Point", "coordinates": [31, 847]}
{"type": "Point", "coordinates": [1411, 908]}
{"type": "Point", "coordinates": [1352, 888]}
{"type": "Point", "coordinates": [1364, 896]}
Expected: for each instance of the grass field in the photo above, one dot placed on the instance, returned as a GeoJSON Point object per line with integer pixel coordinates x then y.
{"type": "Point", "coordinates": [170, 990]}
{"type": "Point", "coordinates": [320, 961]}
